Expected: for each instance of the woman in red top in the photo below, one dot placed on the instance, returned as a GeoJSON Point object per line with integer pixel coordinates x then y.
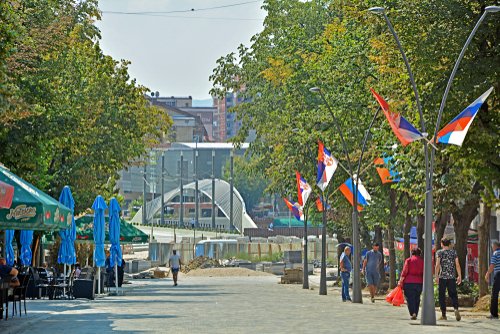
{"type": "Point", "coordinates": [412, 279]}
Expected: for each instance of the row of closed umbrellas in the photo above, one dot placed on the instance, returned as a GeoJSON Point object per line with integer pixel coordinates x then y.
{"type": "Point", "coordinates": [67, 253]}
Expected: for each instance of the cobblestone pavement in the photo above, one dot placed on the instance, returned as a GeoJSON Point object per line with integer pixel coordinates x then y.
{"type": "Point", "coordinates": [225, 305]}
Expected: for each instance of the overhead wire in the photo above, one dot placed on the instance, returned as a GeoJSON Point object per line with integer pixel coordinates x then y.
{"type": "Point", "coordinates": [184, 10]}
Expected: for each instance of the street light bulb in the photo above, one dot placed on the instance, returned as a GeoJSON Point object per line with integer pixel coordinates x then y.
{"type": "Point", "coordinates": [492, 9]}
{"type": "Point", "coordinates": [314, 90]}
{"type": "Point", "coordinates": [377, 10]}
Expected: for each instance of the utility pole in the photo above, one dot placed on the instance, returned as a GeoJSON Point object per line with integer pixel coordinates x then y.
{"type": "Point", "coordinates": [231, 208]}
{"type": "Point", "coordinates": [181, 213]}
{"type": "Point", "coordinates": [144, 194]}
{"type": "Point", "coordinates": [213, 188]}
{"type": "Point", "coordinates": [196, 197]}
{"type": "Point", "coordinates": [162, 219]}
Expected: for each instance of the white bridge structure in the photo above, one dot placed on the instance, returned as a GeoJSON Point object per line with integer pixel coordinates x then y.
{"type": "Point", "coordinates": [241, 219]}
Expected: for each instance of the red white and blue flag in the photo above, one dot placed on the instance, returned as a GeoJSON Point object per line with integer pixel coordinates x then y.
{"type": "Point", "coordinates": [386, 171]}
{"type": "Point", "coordinates": [295, 208]}
{"type": "Point", "coordinates": [455, 132]}
{"type": "Point", "coordinates": [347, 189]}
{"type": "Point", "coordinates": [403, 129]}
{"type": "Point", "coordinates": [327, 165]}
{"type": "Point", "coordinates": [303, 189]}
{"type": "Point", "coordinates": [319, 204]}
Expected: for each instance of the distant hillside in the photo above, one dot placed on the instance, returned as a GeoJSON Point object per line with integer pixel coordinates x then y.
{"type": "Point", "coordinates": [203, 103]}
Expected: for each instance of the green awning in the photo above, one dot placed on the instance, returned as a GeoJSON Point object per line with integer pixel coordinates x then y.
{"type": "Point", "coordinates": [31, 208]}
{"type": "Point", "coordinates": [128, 232]}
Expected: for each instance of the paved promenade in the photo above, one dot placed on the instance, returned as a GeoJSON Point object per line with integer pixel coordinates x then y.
{"type": "Point", "coordinates": [225, 305]}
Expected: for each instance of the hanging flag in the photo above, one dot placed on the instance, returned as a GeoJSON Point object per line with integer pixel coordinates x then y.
{"type": "Point", "coordinates": [296, 210]}
{"type": "Point", "coordinates": [403, 129]}
{"type": "Point", "coordinates": [455, 132]}
{"type": "Point", "coordinates": [6, 195]}
{"type": "Point", "coordinates": [385, 171]}
{"type": "Point", "coordinates": [327, 165]}
{"type": "Point", "coordinates": [303, 189]}
{"type": "Point", "coordinates": [319, 204]}
{"type": "Point", "coordinates": [347, 189]}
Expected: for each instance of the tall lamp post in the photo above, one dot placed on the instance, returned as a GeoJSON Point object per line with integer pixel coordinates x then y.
{"type": "Point", "coordinates": [356, 283]}
{"type": "Point", "coordinates": [162, 214]}
{"type": "Point", "coordinates": [428, 310]}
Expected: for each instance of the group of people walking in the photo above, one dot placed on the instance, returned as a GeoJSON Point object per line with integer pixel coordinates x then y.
{"type": "Point", "coordinates": [448, 275]}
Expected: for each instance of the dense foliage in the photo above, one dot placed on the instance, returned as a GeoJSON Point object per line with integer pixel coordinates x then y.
{"type": "Point", "coordinates": [69, 114]}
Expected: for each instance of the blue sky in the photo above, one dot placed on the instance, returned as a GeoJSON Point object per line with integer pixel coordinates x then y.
{"type": "Point", "coordinates": [175, 53]}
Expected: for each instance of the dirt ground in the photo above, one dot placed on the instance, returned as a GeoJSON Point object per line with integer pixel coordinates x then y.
{"type": "Point", "coordinates": [225, 272]}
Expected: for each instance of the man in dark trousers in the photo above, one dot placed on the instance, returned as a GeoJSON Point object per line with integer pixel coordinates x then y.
{"type": "Point", "coordinates": [495, 269]}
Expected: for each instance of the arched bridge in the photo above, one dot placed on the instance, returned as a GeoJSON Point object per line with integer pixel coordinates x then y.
{"type": "Point", "coordinates": [241, 219]}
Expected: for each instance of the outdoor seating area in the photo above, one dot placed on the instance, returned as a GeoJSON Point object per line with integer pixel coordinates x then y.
{"type": "Point", "coordinates": [26, 215]}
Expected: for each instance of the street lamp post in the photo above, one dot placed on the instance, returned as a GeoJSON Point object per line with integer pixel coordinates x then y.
{"type": "Point", "coordinates": [356, 284]}
{"type": "Point", "coordinates": [428, 310]}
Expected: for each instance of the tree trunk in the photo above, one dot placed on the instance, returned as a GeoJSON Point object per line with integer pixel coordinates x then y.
{"type": "Point", "coordinates": [379, 239]}
{"type": "Point", "coordinates": [463, 217]}
{"type": "Point", "coordinates": [407, 227]}
{"type": "Point", "coordinates": [484, 237]}
{"type": "Point", "coordinates": [392, 257]}
{"type": "Point", "coordinates": [420, 232]}
{"type": "Point", "coordinates": [440, 227]}
{"type": "Point", "coordinates": [390, 239]}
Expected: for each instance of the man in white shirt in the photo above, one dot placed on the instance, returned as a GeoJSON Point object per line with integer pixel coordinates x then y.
{"type": "Point", "coordinates": [174, 262]}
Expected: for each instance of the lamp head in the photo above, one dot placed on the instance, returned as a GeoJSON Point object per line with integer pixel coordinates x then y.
{"type": "Point", "coordinates": [377, 10]}
{"type": "Point", "coordinates": [492, 9]}
{"type": "Point", "coordinates": [314, 90]}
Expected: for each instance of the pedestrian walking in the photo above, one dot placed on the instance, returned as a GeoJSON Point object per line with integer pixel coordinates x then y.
{"type": "Point", "coordinates": [371, 269]}
{"type": "Point", "coordinates": [448, 275]}
{"type": "Point", "coordinates": [495, 269]}
{"type": "Point", "coordinates": [174, 262]}
{"type": "Point", "coordinates": [411, 281]}
{"type": "Point", "coordinates": [345, 273]}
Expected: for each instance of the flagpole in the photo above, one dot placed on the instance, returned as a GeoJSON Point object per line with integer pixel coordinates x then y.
{"type": "Point", "coordinates": [428, 310]}
{"type": "Point", "coordinates": [305, 283]}
{"type": "Point", "coordinates": [322, 280]}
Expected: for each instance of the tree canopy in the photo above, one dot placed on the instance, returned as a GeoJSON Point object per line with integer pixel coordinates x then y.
{"type": "Point", "coordinates": [69, 114]}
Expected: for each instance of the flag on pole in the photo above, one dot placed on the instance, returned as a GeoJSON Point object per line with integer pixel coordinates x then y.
{"type": "Point", "coordinates": [403, 129]}
{"type": "Point", "coordinates": [295, 208]}
{"type": "Point", "coordinates": [303, 189]}
{"type": "Point", "coordinates": [347, 189]}
{"type": "Point", "coordinates": [455, 132]}
{"type": "Point", "coordinates": [319, 204]}
{"type": "Point", "coordinates": [385, 171]}
{"type": "Point", "coordinates": [327, 165]}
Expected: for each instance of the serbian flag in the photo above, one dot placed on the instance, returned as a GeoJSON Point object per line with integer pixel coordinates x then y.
{"type": "Point", "coordinates": [347, 189]}
{"type": "Point", "coordinates": [384, 170]}
{"type": "Point", "coordinates": [327, 165]}
{"type": "Point", "coordinates": [319, 204]}
{"type": "Point", "coordinates": [303, 189]}
{"type": "Point", "coordinates": [296, 210]}
{"type": "Point", "coordinates": [403, 129]}
{"type": "Point", "coordinates": [6, 195]}
{"type": "Point", "coordinates": [455, 132]}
